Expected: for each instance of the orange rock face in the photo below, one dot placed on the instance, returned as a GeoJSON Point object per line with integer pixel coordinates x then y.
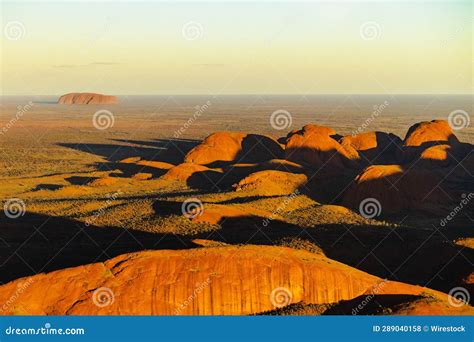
{"type": "Point", "coordinates": [87, 98]}
{"type": "Point", "coordinates": [373, 146]}
{"type": "Point", "coordinates": [205, 281]}
{"type": "Point", "coordinates": [234, 146]}
{"type": "Point", "coordinates": [436, 131]}
{"type": "Point", "coordinates": [435, 156]}
{"type": "Point", "coordinates": [466, 242]}
{"type": "Point", "coordinates": [397, 189]}
{"type": "Point", "coordinates": [429, 144]}
{"type": "Point", "coordinates": [314, 146]}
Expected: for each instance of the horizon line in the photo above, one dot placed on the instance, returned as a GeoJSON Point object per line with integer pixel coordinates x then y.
{"type": "Point", "coordinates": [255, 94]}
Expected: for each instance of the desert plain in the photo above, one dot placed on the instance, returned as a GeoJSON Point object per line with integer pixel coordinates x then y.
{"type": "Point", "coordinates": [136, 215]}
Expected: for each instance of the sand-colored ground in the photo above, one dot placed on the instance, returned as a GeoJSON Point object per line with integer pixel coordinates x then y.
{"type": "Point", "coordinates": [91, 196]}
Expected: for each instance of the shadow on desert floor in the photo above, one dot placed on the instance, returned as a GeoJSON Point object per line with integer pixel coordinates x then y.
{"type": "Point", "coordinates": [37, 243]}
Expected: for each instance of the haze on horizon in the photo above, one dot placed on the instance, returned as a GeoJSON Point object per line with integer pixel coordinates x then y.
{"type": "Point", "coordinates": [410, 47]}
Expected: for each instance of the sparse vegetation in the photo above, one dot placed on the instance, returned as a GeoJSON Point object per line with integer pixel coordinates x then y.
{"type": "Point", "coordinates": [84, 204]}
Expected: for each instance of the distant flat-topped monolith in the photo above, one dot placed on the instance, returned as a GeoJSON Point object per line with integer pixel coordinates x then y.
{"type": "Point", "coordinates": [87, 98]}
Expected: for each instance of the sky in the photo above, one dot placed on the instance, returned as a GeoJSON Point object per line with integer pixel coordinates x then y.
{"type": "Point", "coordinates": [223, 47]}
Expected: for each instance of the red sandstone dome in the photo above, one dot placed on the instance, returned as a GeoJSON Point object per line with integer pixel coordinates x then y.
{"type": "Point", "coordinates": [315, 146]}
{"type": "Point", "coordinates": [373, 146]}
{"type": "Point", "coordinates": [397, 189]}
{"type": "Point", "coordinates": [430, 144]}
{"type": "Point", "coordinates": [436, 131]}
{"type": "Point", "coordinates": [184, 171]}
{"type": "Point", "coordinates": [230, 280]}
{"type": "Point", "coordinates": [87, 98]}
{"type": "Point", "coordinates": [234, 146]}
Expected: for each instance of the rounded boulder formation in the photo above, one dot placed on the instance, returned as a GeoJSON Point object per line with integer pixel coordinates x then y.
{"type": "Point", "coordinates": [431, 133]}
{"type": "Point", "coordinates": [220, 281]}
{"type": "Point", "coordinates": [235, 147]}
{"type": "Point", "coordinates": [314, 146]}
{"type": "Point", "coordinates": [427, 135]}
{"type": "Point", "coordinates": [183, 172]}
{"type": "Point", "coordinates": [373, 147]}
{"type": "Point", "coordinates": [392, 189]}
{"type": "Point", "coordinates": [435, 156]}
{"type": "Point", "coordinates": [87, 98]}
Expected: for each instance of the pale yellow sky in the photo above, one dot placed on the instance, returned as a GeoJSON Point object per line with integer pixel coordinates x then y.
{"type": "Point", "coordinates": [229, 48]}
